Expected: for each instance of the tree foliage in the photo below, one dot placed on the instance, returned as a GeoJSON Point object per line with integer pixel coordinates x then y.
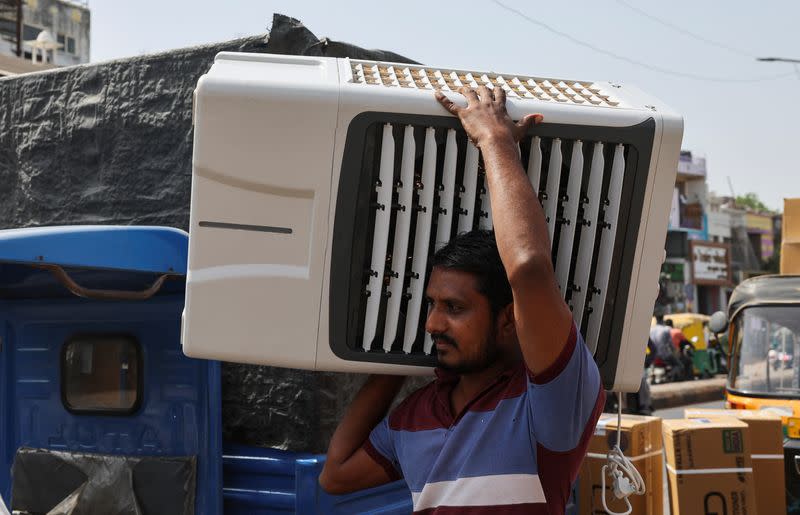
{"type": "Point", "coordinates": [751, 200]}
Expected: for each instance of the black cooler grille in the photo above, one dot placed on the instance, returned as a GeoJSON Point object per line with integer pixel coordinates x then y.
{"type": "Point", "coordinates": [409, 183]}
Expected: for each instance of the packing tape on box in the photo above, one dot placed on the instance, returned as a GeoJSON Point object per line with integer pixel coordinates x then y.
{"type": "Point", "coordinates": [767, 456]}
{"type": "Point", "coordinates": [600, 427]}
{"type": "Point", "coordinates": [597, 455]}
{"type": "Point", "coordinates": [743, 470]}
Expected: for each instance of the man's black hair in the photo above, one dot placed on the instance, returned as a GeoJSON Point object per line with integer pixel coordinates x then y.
{"type": "Point", "coordinates": [475, 252]}
{"type": "Point", "coordinates": [668, 322]}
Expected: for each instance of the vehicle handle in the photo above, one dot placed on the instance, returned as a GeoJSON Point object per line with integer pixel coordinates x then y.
{"type": "Point", "coordinates": [101, 294]}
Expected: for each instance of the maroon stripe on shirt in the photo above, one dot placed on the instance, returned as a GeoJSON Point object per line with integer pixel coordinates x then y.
{"type": "Point", "coordinates": [428, 407]}
{"type": "Point", "coordinates": [505, 509]}
{"type": "Point", "coordinates": [560, 363]}
{"type": "Point", "coordinates": [558, 470]}
{"type": "Point", "coordinates": [420, 411]}
{"type": "Point", "coordinates": [373, 453]}
{"type": "Point", "coordinates": [514, 386]}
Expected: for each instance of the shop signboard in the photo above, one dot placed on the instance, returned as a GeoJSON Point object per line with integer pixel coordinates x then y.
{"type": "Point", "coordinates": [711, 263]}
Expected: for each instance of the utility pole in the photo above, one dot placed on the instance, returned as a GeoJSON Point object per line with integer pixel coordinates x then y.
{"type": "Point", "coordinates": [19, 28]}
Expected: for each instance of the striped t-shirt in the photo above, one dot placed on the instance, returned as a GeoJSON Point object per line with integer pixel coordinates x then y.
{"type": "Point", "coordinates": [515, 448]}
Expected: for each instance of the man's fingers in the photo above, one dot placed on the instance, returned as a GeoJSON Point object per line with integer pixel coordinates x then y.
{"type": "Point", "coordinates": [485, 95]}
{"type": "Point", "coordinates": [469, 94]}
{"type": "Point", "coordinates": [499, 96]}
{"type": "Point", "coordinates": [530, 120]}
{"type": "Point", "coordinates": [448, 104]}
{"type": "Point", "coordinates": [526, 123]}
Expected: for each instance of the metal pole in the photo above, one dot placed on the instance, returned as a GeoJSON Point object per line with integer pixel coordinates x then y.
{"type": "Point", "coordinates": [777, 60]}
{"type": "Point", "coordinates": [19, 28]}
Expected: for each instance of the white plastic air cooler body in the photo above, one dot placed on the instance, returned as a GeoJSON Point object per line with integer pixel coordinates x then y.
{"type": "Point", "coordinates": [321, 186]}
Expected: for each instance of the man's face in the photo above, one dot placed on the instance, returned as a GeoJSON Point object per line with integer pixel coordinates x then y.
{"type": "Point", "coordinates": [460, 322]}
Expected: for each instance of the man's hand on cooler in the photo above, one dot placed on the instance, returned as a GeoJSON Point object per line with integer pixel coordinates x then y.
{"type": "Point", "coordinates": [485, 117]}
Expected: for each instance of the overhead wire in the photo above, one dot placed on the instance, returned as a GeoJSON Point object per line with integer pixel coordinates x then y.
{"type": "Point", "coordinates": [686, 32]}
{"type": "Point", "coordinates": [635, 62]}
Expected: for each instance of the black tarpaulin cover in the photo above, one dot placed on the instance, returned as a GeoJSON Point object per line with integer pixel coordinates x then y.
{"type": "Point", "coordinates": [111, 143]}
{"type": "Point", "coordinates": [68, 483]}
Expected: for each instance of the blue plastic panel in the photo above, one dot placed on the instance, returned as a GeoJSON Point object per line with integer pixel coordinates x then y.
{"type": "Point", "coordinates": [270, 481]}
{"type": "Point", "coordinates": [129, 248]}
{"type": "Point", "coordinates": [180, 410]}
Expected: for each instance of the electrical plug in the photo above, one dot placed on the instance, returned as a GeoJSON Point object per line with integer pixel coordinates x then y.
{"type": "Point", "coordinates": [622, 486]}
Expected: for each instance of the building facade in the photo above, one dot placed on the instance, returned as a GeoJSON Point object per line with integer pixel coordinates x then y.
{"type": "Point", "coordinates": [712, 244]}
{"type": "Point", "coordinates": [760, 231]}
{"type": "Point", "coordinates": [698, 272]}
{"type": "Point", "coordinates": [67, 23]}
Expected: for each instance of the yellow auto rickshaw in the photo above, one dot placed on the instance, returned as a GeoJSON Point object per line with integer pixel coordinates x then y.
{"type": "Point", "coordinates": [763, 323]}
{"type": "Point", "coordinates": [695, 328]}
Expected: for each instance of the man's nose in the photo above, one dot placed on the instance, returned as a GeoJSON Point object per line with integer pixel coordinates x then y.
{"type": "Point", "coordinates": [435, 323]}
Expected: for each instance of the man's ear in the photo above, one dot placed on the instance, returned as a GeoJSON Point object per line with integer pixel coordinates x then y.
{"type": "Point", "coordinates": [505, 322]}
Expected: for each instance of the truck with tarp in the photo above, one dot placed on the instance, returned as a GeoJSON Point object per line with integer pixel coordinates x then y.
{"type": "Point", "coordinates": [100, 410]}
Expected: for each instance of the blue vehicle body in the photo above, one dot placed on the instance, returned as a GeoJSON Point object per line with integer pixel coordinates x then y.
{"type": "Point", "coordinates": [177, 411]}
{"type": "Point", "coordinates": [270, 481]}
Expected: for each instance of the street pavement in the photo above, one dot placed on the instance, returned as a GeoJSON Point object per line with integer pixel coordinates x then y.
{"type": "Point", "coordinates": [677, 412]}
{"type": "Point", "coordinates": [670, 395]}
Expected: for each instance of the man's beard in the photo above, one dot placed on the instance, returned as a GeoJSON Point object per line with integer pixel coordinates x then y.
{"type": "Point", "coordinates": [489, 356]}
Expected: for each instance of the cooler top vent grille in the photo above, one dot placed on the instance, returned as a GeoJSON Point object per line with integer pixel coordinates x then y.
{"type": "Point", "coordinates": [518, 86]}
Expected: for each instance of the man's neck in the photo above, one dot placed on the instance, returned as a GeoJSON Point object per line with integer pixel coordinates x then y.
{"type": "Point", "coordinates": [470, 385]}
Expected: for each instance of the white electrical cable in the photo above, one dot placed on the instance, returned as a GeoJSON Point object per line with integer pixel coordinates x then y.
{"type": "Point", "coordinates": [626, 479]}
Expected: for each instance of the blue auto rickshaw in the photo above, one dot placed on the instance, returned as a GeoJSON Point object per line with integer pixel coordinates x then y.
{"type": "Point", "coordinates": [100, 410]}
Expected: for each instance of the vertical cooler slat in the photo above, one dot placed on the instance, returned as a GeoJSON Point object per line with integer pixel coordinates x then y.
{"type": "Point", "coordinates": [421, 240]}
{"type": "Point", "coordinates": [535, 163]}
{"type": "Point", "coordinates": [586, 243]}
{"type": "Point", "coordinates": [470, 183]}
{"type": "Point", "coordinates": [553, 181]}
{"type": "Point", "coordinates": [609, 229]}
{"type": "Point", "coordinates": [401, 233]}
{"type": "Point", "coordinates": [485, 221]}
{"type": "Point", "coordinates": [380, 237]}
{"type": "Point", "coordinates": [444, 223]}
{"type": "Point", "coordinates": [566, 241]}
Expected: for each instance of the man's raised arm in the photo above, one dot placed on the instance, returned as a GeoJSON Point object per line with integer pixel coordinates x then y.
{"type": "Point", "coordinates": [543, 320]}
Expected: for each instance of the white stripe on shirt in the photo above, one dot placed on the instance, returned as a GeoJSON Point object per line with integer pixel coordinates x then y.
{"type": "Point", "coordinates": [497, 490]}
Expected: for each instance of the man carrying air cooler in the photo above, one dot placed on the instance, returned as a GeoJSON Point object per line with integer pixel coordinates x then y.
{"type": "Point", "coordinates": [505, 425]}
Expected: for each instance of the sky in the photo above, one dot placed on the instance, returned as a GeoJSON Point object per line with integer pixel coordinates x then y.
{"type": "Point", "coordinates": [698, 57]}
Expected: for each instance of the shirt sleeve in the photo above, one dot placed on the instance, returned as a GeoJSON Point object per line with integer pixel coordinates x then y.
{"type": "Point", "coordinates": [381, 447]}
{"type": "Point", "coordinates": [566, 398]}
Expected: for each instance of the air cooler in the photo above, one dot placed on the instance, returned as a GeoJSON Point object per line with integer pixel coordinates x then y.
{"type": "Point", "coordinates": [322, 186]}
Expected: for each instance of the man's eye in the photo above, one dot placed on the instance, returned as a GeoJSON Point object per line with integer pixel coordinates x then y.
{"type": "Point", "coordinates": [453, 308]}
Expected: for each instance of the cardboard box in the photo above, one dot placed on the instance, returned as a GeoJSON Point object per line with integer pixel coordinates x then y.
{"type": "Point", "coordinates": [641, 442]}
{"type": "Point", "coordinates": [790, 258]}
{"type": "Point", "coordinates": [709, 469]}
{"type": "Point", "coordinates": [766, 437]}
{"type": "Point", "coordinates": [790, 228]}
{"type": "Point", "coordinates": [790, 237]}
